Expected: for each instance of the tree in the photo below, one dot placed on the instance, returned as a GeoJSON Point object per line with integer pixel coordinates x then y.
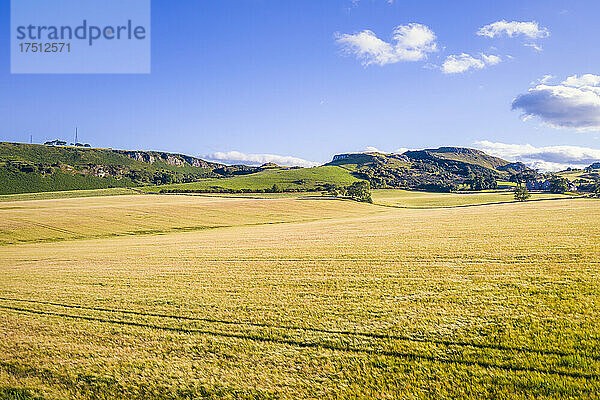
{"type": "Point", "coordinates": [521, 193]}
{"type": "Point", "coordinates": [360, 191]}
{"type": "Point", "coordinates": [557, 184]}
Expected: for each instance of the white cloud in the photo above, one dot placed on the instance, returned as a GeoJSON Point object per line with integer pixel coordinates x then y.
{"type": "Point", "coordinates": [583, 80]}
{"type": "Point", "coordinates": [549, 158]}
{"type": "Point", "coordinates": [401, 150]}
{"type": "Point", "coordinates": [534, 46]}
{"type": "Point", "coordinates": [491, 59]}
{"type": "Point", "coordinates": [456, 64]}
{"type": "Point", "coordinates": [575, 103]}
{"type": "Point", "coordinates": [409, 42]}
{"type": "Point", "coordinates": [543, 79]}
{"type": "Point", "coordinates": [236, 157]}
{"type": "Point", "coordinates": [530, 29]}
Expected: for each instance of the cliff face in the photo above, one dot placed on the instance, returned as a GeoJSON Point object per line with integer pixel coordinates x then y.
{"type": "Point", "coordinates": [176, 160]}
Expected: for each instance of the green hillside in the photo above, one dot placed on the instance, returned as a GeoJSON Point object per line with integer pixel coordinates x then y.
{"type": "Point", "coordinates": [469, 156]}
{"type": "Point", "coordinates": [288, 179]}
{"type": "Point", "coordinates": [39, 168]}
{"type": "Point", "coordinates": [587, 179]}
{"type": "Point", "coordinates": [16, 181]}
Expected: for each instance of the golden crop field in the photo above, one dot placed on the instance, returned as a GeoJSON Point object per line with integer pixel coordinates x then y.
{"type": "Point", "coordinates": [191, 297]}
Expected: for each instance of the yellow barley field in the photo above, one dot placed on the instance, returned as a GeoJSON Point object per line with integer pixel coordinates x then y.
{"type": "Point", "coordinates": [191, 297]}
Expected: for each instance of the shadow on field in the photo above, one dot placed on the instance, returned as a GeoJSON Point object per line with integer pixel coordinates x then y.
{"type": "Point", "coordinates": [297, 343]}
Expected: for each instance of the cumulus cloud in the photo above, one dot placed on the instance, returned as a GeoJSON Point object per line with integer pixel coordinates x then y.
{"type": "Point", "coordinates": [546, 159]}
{"type": "Point", "coordinates": [574, 103]}
{"type": "Point", "coordinates": [371, 149]}
{"type": "Point", "coordinates": [530, 29]}
{"type": "Point", "coordinates": [583, 80]}
{"type": "Point", "coordinates": [236, 157]}
{"type": "Point", "coordinates": [409, 42]}
{"type": "Point", "coordinates": [456, 64]}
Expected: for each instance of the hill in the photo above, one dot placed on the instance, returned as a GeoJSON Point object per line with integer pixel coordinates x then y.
{"type": "Point", "coordinates": [586, 179]}
{"type": "Point", "coordinates": [38, 168]}
{"type": "Point", "coordinates": [440, 169]}
{"type": "Point", "coordinates": [26, 168]}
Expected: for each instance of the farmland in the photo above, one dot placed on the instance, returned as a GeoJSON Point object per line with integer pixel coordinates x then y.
{"type": "Point", "coordinates": [414, 199]}
{"type": "Point", "coordinates": [172, 296]}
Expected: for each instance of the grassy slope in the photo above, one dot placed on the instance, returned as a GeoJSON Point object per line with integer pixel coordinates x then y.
{"type": "Point", "coordinates": [591, 176]}
{"type": "Point", "coordinates": [284, 178]}
{"type": "Point", "coordinates": [20, 182]}
{"type": "Point", "coordinates": [471, 157]}
{"type": "Point", "coordinates": [470, 304]}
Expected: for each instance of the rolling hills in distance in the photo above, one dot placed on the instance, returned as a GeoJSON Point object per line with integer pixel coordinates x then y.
{"type": "Point", "coordinates": [30, 168]}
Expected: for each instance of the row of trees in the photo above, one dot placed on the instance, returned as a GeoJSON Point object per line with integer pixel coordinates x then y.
{"type": "Point", "coordinates": [552, 183]}
{"type": "Point", "coordinates": [480, 182]}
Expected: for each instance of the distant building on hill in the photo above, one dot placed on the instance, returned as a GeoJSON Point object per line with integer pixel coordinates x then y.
{"type": "Point", "coordinates": [56, 142]}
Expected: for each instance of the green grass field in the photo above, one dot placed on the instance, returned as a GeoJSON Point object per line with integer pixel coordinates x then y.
{"type": "Point", "coordinates": [304, 179]}
{"type": "Point", "coordinates": [198, 297]}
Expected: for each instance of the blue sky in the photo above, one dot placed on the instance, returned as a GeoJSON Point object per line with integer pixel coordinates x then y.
{"type": "Point", "coordinates": [297, 78]}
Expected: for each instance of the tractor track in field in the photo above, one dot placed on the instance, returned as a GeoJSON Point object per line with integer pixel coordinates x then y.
{"type": "Point", "coordinates": [310, 329]}
{"type": "Point", "coordinates": [321, 345]}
